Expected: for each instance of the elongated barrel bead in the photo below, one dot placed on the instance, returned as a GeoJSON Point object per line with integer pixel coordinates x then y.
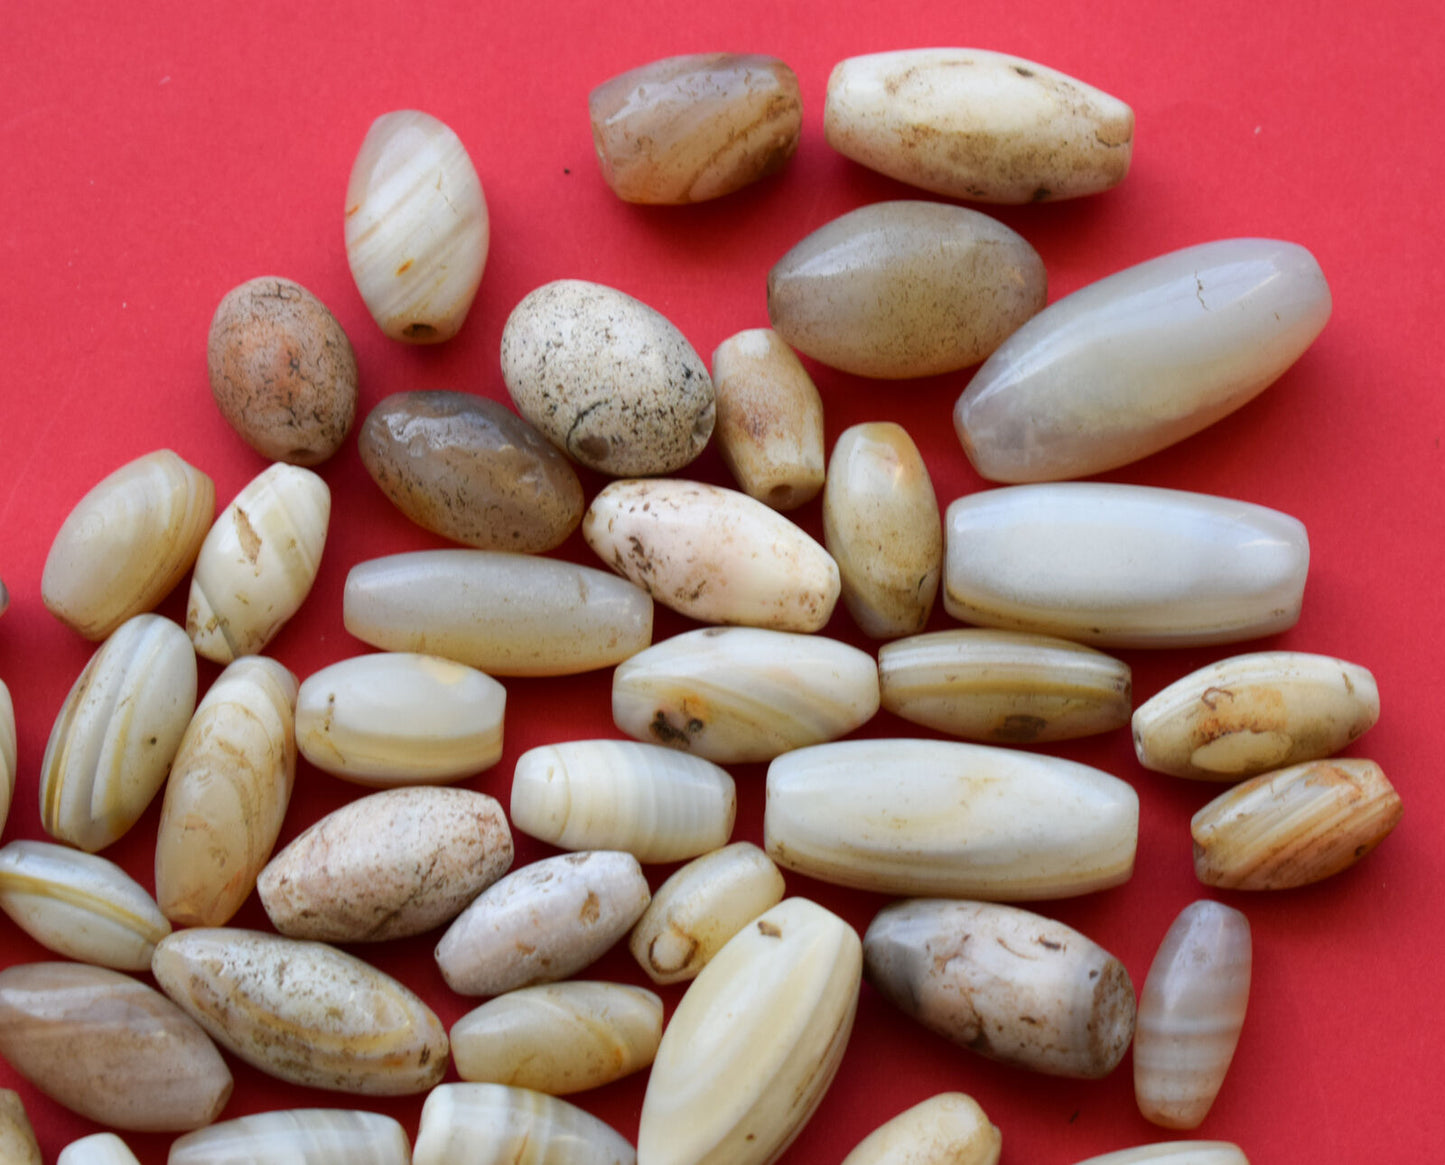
{"type": "Point", "coordinates": [17, 1138]}
{"type": "Point", "coordinates": [494, 1124]}
{"type": "Point", "coordinates": [7, 752]}
{"type": "Point", "coordinates": [947, 1129]}
{"type": "Point", "coordinates": [1175, 1153]}
{"type": "Point", "coordinates": [303, 1136]}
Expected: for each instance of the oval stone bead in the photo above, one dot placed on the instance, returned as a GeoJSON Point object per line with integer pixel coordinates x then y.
{"type": "Point", "coordinates": [127, 543]}
{"type": "Point", "coordinates": [1123, 565]}
{"type": "Point", "coordinates": [713, 554]}
{"type": "Point", "coordinates": [689, 128]}
{"type": "Point", "coordinates": [399, 718]}
{"type": "Point", "coordinates": [1251, 713]}
{"type": "Point", "coordinates": [387, 866]}
{"type": "Point", "coordinates": [656, 804]}
{"type": "Point", "coordinates": [607, 379]}
{"type": "Point", "coordinates": [985, 126]}
{"type": "Point", "coordinates": [947, 1129]}
{"type": "Point", "coordinates": [504, 614]}
{"type": "Point", "coordinates": [416, 227]}
{"type": "Point", "coordinates": [881, 525]}
{"type": "Point", "coordinates": [471, 470]}
{"type": "Point", "coordinates": [304, 1012]}
{"type": "Point", "coordinates": [7, 753]}
{"type": "Point", "coordinates": [147, 1066]}
{"type": "Point", "coordinates": [1009, 984]}
{"type": "Point", "coordinates": [905, 289]}
{"type": "Point", "coordinates": [1175, 1153]}
{"type": "Point", "coordinates": [99, 1149]}
{"type": "Point", "coordinates": [1004, 687]}
{"type": "Point", "coordinates": [117, 733]}
{"type": "Point", "coordinates": [492, 1124]}
{"type": "Point", "coordinates": [559, 1037]}
{"type": "Point", "coordinates": [1135, 362]}
{"type": "Point", "coordinates": [17, 1138]}
{"type": "Point", "coordinates": [953, 820]}
{"type": "Point", "coordinates": [301, 1136]}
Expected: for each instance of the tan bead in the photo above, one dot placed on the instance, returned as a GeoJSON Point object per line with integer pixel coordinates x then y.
{"type": "Point", "coordinates": [7, 753]}
{"type": "Point", "coordinates": [947, 1129]}
{"type": "Point", "coordinates": [17, 1139]}
{"type": "Point", "coordinates": [493, 1124]}
{"type": "Point", "coordinates": [306, 1136]}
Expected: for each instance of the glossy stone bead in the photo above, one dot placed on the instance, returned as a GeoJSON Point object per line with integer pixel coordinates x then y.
{"type": "Point", "coordinates": [1251, 713]}
{"type": "Point", "coordinates": [689, 128]}
{"type": "Point", "coordinates": [147, 1066]}
{"type": "Point", "coordinates": [1004, 687]}
{"type": "Point", "coordinates": [416, 227]}
{"type": "Point", "coordinates": [127, 543]}
{"type": "Point", "coordinates": [492, 1124]}
{"type": "Point", "coordinates": [1191, 1012]}
{"type": "Point", "coordinates": [769, 429]}
{"type": "Point", "coordinates": [1009, 984]}
{"type": "Point", "coordinates": [99, 1149]}
{"type": "Point", "coordinates": [713, 554]}
{"type": "Point", "coordinates": [504, 614]}
{"type": "Point", "coordinates": [881, 525]}
{"type": "Point", "coordinates": [1294, 826]}
{"type": "Point", "coordinates": [399, 718]}
{"type": "Point", "coordinates": [228, 793]}
{"type": "Point", "coordinates": [17, 1138]}
{"type": "Point", "coordinates": [1123, 565]}
{"type": "Point", "coordinates": [1135, 362]}
{"type": "Point", "coordinates": [299, 1136]}
{"type": "Point", "coordinates": [904, 289]}
{"type": "Point", "coordinates": [7, 753]}
{"type": "Point", "coordinates": [1175, 1153]}
{"type": "Point", "coordinates": [387, 866]}
{"type": "Point", "coordinates": [947, 1129]}
{"type": "Point", "coordinates": [471, 470]}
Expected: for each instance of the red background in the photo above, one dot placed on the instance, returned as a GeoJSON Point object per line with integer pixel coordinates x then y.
{"type": "Point", "coordinates": [157, 155]}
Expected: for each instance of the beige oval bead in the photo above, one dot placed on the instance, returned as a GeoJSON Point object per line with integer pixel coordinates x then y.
{"type": "Point", "coordinates": [417, 229]}
{"type": "Point", "coordinates": [740, 694]}
{"type": "Point", "coordinates": [304, 1136]}
{"type": "Point", "coordinates": [713, 554]}
{"type": "Point", "coordinates": [117, 733]}
{"type": "Point", "coordinates": [986, 126]}
{"type": "Point", "coordinates": [17, 1139]}
{"type": "Point", "coordinates": [700, 907]}
{"type": "Point", "coordinates": [1294, 826]}
{"type": "Point", "coordinates": [147, 1066]}
{"type": "Point", "coordinates": [99, 1149]}
{"type": "Point", "coordinates": [559, 1037]}
{"type": "Point", "coordinates": [769, 419]}
{"type": "Point", "coordinates": [755, 1042]}
{"type": "Point", "coordinates": [258, 562]}
{"type": "Point", "coordinates": [7, 753]}
{"type": "Point", "coordinates": [399, 718]}
{"type": "Point", "coordinates": [881, 525]}
{"type": "Point", "coordinates": [492, 1124]}
{"type": "Point", "coordinates": [689, 128]}
{"type": "Point", "coordinates": [228, 793]}
{"type": "Point", "coordinates": [948, 1129]}
{"type": "Point", "coordinates": [543, 922]}
{"type": "Point", "coordinates": [905, 289]}
{"type": "Point", "coordinates": [504, 614]}
{"type": "Point", "coordinates": [1251, 713]}
{"type": "Point", "coordinates": [127, 543]}
{"type": "Point", "coordinates": [387, 866]}
{"type": "Point", "coordinates": [1175, 1153]}
{"type": "Point", "coordinates": [1004, 687]}
{"type": "Point", "coordinates": [80, 905]}
{"type": "Point", "coordinates": [304, 1012]}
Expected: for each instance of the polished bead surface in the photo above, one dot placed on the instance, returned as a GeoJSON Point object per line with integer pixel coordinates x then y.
{"type": "Point", "coordinates": [98, 1149]}
{"type": "Point", "coordinates": [7, 752]}
{"type": "Point", "coordinates": [1175, 1153]}
{"type": "Point", "coordinates": [304, 1136]}
{"type": "Point", "coordinates": [17, 1138]}
{"type": "Point", "coordinates": [493, 1124]}
{"type": "Point", "coordinates": [948, 1129]}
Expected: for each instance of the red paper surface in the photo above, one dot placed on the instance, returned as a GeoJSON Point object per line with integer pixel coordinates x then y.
{"type": "Point", "coordinates": [158, 155]}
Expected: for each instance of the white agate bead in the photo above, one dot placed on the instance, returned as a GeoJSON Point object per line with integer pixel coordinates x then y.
{"type": "Point", "coordinates": [298, 1136]}
{"type": "Point", "coordinates": [493, 1124]}
{"type": "Point", "coordinates": [1175, 1153]}
{"type": "Point", "coordinates": [99, 1149]}
{"type": "Point", "coordinates": [947, 1129]}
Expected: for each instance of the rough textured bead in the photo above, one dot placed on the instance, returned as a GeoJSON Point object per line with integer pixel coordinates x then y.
{"type": "Point", "coordinates": [505, 614]}
{"type": "Point", "coordinates": [127, 543]}
{"type": "Point", "coordinates": [304, 1136]}
{"type": "Point", "coordinates": [99, 1149]}
{"type": "Point", "coordinates": [1135, 362]}
{"type": "Point", "coordinates": [713, 554]}
{"type": "Point", "coordinates": [689, 128]}
{"type": "Point", "coordinates": [769, 419]}
{"type": "Point", "coordinates": [1294, 826]}
{"type": "Point", "coordinates": [654, 803]}
{"type": "Point", "coordinates": [559, 1037]}
{"type": "Point", "coordinates": [956, 820]}
{"type": "Point", "coordinates": [1123, 565]}
{"type": "Point", "coordinates": [1011, 985]}
{"type": "Point", "coordinates": [755, 1042]}
{"type": "Point", "coordinates": [741, 694]}
{"type": "Point", "coordinates": [881, 525]}
{"type": "Point", "coordinates": [387, 866]}
{"type": "Point", "coordinates": [117, 733]}
{"type": "Point", "coordinates": [304, 1012]}
{"type": "Point", "coordinates": [700, 907]}
{"type": "Point", "coordinates": [17, 1138]}
{"type": "Point", "coordinates": [905, 289]}
{"type": "Point", "coordinates": [1251, 713]}
{"type": "Point", "coordinates": [968, 123]}
{"type": "Point", "coordinates": [492, 1124]}
{"type": "Point", "coordinates": [1175, 1153]}
{"type": "Point", "coordinates": [1191, 1011]}
{"type": "Point", "coordinates": [1004, 687]}
{"type": "Point", "coordinates": [7, 753]}
{"type": "Point", "coordinates": [416, 227]}
{"type": "Point", "coordinates": [398, 718]}
{"type": "Point", "coordinates": [947, 1129]}
{"type": "Point", "coordinates": [258, 562]}
{"type": "Point", "coordinates": [147, 1066]}
{"type": "Point", "coordinates": [228, 793]}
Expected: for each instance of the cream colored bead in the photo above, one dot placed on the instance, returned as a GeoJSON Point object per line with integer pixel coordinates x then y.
{"type": "Point", "coordinates": [304, 1136]}
{"type": "Point", "coordinates": [7, 753]}
{"type": "Point", "coordinates": [1175, 1153]}
{"type": "Point", "coordinates": [17, 1139]}
{"type": "Point", "coordinates": [947, 1129]}
{"type": "Point", "coordinates": [492, 1124]}
{"type": "Point", "coordinates": [99, 1149]}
